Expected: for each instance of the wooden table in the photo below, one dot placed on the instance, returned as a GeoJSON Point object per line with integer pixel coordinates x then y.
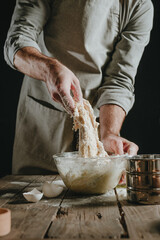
{"type": "Point", "coordinates": [72, 216]}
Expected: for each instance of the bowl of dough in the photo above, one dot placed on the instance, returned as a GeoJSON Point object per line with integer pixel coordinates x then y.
{"type": "Point", "coordinates": [90, 175]}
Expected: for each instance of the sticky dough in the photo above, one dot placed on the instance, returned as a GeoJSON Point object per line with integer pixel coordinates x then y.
{"type": "Point", "coordinates": [85, 121]}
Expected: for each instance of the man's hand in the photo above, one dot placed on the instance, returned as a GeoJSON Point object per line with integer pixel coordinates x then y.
{"type": "Point", "coordinates": [111, 120]}
{"type": "Point", "coordinates": [62, 84]}
{"type": "Point", "coordinates": [118, 145]}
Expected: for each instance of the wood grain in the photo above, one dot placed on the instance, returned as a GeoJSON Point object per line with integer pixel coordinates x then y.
{"type": "Point", "coordinates": [72, 216]}
{"type": "Point", "coordinates": [31, 220]}
{"type": "Point", "coordinates": [92, 217]}
{"type": "Point", "coordinates": [10, 186]}
{"type": "Point", "coordinates": [143, 221]}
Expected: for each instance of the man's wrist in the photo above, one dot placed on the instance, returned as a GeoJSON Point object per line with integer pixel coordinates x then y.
{"type": "Point", "coordinates": [111, 120]}
{"type": "Point", "coordinates": [49, 67]}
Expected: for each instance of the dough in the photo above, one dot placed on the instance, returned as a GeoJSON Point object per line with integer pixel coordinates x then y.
{"type": "Point", "coordinates": [85, 121]}
{"type": "Point", "coordinates": [91, 170]}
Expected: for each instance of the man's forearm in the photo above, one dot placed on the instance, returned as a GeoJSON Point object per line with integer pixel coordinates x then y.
{"type": "Point", "coordinates": [31, 62]}
{"type": "Point", "coordinates": [111, 120]}
{"type": "Point", "coordinates": [59, 80]}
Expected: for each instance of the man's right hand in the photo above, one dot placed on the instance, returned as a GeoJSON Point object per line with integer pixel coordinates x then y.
{"type": "Point", "coordinates": [62, 84]}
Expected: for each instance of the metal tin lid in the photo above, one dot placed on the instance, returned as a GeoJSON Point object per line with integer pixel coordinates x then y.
{"type": "Point", "coordinates": [144, 163]}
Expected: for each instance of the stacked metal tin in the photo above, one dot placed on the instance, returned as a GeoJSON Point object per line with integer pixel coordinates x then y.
{"type": "Point", "coordinates": [143, 179]}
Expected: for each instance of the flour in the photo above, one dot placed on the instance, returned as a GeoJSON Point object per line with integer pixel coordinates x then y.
{"type": "Point", "coordinates": [122, 193]}
{"type": "Point", "coordinates": [20, 183]}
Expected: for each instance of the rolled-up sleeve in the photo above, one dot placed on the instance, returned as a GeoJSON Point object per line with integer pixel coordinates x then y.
{"type": "Point", "coordinates": [119, 76]}
{"type": "Point", "coordinates": [28, 20]}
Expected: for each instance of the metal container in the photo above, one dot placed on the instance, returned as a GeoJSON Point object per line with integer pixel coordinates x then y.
{"type": "Point", "coordinates": [143, 179]}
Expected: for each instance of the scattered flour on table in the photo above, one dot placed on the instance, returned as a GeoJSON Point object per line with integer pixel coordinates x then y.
{"type": "Point", "coordinates": [20, 183]}
{"type": "Point", "coordinates": [122, 193]}
{"type": "Point", "coordinates": [7, 195]}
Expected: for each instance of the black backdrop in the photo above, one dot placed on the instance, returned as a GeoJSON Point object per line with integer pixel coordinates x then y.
{"type": "Point", "coordinates": [142, 125]}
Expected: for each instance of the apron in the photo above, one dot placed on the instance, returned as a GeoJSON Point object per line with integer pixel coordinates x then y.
{"type": "Point", "coordinates": [87, 37]}
{"type": "Point", "coordinates": [43, 128]}
{"type": "Point", "coordinates": [41, 131]}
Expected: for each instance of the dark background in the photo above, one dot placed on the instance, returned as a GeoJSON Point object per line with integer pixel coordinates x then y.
{"type": "Point", "coordinates": [142, 125]}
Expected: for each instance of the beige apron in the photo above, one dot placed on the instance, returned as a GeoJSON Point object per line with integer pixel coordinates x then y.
{"type": "Point", "coordinates": [85, 35]}
{"type": "Point", "coordinates": [40, 132]}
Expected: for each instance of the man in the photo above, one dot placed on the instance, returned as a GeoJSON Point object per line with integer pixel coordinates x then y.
{"type": "Point", "coordinates": [66, 49]}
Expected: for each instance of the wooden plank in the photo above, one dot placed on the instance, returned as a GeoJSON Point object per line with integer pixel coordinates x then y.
{"type": "Point", "coordinates": [31, 220]}
{"type": "Point", "coordinates": [11, 185]}
{"type": "Point", "coordinates": [6, 180]}
{"type": "Point", "coordinates": [143, 221]}
{"type": "Point", "coordinates": [76, 216]}
{"type": "Point", "coordinates": [87, 217]}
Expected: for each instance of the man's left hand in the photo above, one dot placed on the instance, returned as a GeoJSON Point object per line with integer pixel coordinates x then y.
{"type": "Point", "coordinates": [118, 145]}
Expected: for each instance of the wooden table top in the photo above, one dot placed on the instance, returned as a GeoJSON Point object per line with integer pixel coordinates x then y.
{"type": "Point", "coordinates": [71, 216]}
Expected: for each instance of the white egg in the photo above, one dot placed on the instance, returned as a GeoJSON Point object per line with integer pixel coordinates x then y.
{"type": "Point", "coordinates": [51, 189]}
{"type": "Point", "coordinates": [33, 196]}
{"type": "Point", "coordinates": [60, 183]}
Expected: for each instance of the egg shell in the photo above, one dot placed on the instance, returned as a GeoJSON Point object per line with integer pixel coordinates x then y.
{"type": "Point", "coordinates": [51, 189]}
{"type": "Point", "coordinates": [33, 196]}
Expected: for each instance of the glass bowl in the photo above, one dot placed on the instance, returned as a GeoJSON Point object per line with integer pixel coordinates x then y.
{"type": "Point", "coordinates": [90, 175]}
